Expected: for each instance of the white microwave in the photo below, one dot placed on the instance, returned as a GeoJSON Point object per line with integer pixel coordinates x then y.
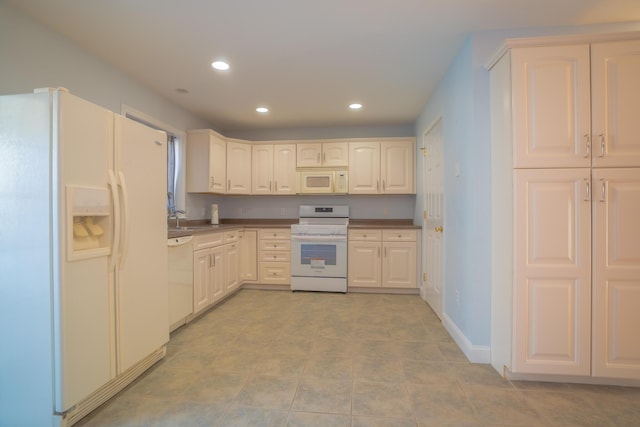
{"type": "Point", "coordinates": [323, 181]}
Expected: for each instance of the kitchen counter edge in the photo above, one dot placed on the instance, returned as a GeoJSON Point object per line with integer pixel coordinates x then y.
{"type": "Point", "coordinates": [353, 224]}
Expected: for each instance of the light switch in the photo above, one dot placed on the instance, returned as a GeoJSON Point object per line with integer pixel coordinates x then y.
{"type": "Point", "coordinates": [456, 169]}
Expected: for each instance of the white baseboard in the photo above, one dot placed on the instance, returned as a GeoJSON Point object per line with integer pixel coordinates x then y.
{"type": "Point", "coordinates": [475, 353]}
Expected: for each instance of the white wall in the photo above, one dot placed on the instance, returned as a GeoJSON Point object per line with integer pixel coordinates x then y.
{"type": "Point", "coordinates": [462, 99]}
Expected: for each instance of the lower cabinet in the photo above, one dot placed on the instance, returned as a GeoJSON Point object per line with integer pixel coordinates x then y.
{"type": "Point", "coordinates": [274, 266]}
{"type": "Point", "coordinates": [248, 256]}
{"type": "Point", "coordinates": [382, 258]}
{"type": "Point", "coordinates": [215, 267]}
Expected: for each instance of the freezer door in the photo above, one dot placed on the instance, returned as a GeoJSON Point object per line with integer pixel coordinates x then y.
{"type": "Point", "coordinates": [83, 324]}
{"type": "Point", "coordinates": [142, 313]}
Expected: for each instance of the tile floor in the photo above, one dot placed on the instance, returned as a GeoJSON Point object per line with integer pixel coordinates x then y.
{"type": "Point", "coordinates": [275, 358]}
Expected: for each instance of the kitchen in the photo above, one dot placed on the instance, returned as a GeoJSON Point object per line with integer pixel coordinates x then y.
{"type": "Point", "coordinates": [467, 245]}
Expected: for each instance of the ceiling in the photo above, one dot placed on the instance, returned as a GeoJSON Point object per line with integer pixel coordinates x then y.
{"type": "Point", "coordinates": [306, 60]}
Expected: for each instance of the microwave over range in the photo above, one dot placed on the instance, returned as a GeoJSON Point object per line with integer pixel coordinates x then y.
{"type": "Point", "coordinates": [323, 181]}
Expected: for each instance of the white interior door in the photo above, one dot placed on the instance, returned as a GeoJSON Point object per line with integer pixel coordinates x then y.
{"type": "Point", "coordinates": [432, 227]}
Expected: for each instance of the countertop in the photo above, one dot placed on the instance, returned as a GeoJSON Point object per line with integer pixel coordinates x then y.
{"type": "Point", "coordinates": [204, 227]}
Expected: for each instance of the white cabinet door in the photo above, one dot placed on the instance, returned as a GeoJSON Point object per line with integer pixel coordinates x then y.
{"type": "Point", "coordinates": [615, 80]}
{"type": "Point", "coordinates": [216, 282]}
{"type": "Point", "coordinates": [364, 264]}
{"type": "Point", "coordinates": [262, 169]}
{"type": "Point", "coordinates": [238, 168]}
{"type": "Point", "coordinates": [335, 154]}
{"type": "Point", "coordinates": [552, 257]}
{"type": "Point", "coordinates": [616, 273]}
{"type": "Point", "coordinates": [284, 169]}
{"type": "Point", "coordinates": [399, 265]}
{"type": "Point", "coordinates": [201, 280]}
{"type": "Point", "coordinates": [231, 267]}
{"type": "Point", "coordinates": [551, 106]}
{"type": "Point", "coordinates": [397, 167]}
{"type": "Point", "coordinates": [364, 168]}
{"type": "Point", "coordinates": [309, 155]}
{"type": "Point", "coordinates": [206, 162]}
{"type": "Point", "coordinates": [248, 255]}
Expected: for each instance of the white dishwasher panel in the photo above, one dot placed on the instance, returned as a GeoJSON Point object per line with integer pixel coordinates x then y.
{"type": "Point", "coordinates": [180, 280]}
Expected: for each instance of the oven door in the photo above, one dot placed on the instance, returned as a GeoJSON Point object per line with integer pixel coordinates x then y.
{"type": "Point", "coordinates": [319, 256]}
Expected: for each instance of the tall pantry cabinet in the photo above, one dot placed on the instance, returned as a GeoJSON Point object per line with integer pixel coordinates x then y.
{"type": "Point", "coordinates": [566, 203]}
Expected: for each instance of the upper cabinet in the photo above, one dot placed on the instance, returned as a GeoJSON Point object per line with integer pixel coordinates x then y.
{"type": "Point", "coordinates": [574, 106]}
{"type": "Point", "coordinates": [322, 154]}
{"type": "Point", "coordinates": [231, 166]}
{"type": "Point", "coordinates": [615, 102]}
{"type": "Point", "coordinates": [382, 167]}
{"type": "Point", "coordinates": [238, 167]}
{"type": "Point", "coordinates": [206, 162]}
{"type": "Point", "coordinates": [274, 169]}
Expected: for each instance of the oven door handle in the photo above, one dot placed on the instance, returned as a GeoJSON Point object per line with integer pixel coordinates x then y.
{"type": "Point", "coordinates": [319, 238]}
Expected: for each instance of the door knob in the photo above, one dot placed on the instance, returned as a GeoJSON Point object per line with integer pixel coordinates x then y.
{"type": "Point", "coordinates": [439, 229]}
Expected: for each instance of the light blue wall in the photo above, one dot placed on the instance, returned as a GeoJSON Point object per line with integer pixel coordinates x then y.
{"type": "Point", "coordinates": [467, 207]}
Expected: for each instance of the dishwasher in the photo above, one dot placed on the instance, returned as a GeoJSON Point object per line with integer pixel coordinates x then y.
{"type": "Point", "coordinates": [180, 280]}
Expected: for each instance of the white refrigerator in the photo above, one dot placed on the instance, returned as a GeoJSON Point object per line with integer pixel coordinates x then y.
{"type": "Point", "coordinates": [83, 258]}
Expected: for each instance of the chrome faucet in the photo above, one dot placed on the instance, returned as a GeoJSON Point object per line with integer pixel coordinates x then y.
{"type": "Point", "coordinates": [174, 214]}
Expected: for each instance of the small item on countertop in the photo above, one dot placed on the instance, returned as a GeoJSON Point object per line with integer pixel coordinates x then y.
{"type": "Point", "coordinates": [214, 215]}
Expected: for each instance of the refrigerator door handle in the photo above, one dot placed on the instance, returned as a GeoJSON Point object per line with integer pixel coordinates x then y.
{"type": "Point", "coordinates": [125, 204]}
{"type": "Point", "coordinates": [116, 219]}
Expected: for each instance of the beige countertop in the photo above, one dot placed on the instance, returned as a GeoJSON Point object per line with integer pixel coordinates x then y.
{"type": "Point", "coordinates": [196, 227]}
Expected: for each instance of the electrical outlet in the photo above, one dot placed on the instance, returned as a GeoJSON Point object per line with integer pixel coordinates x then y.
{"type": "Point", "coordinates": [424, 277]}
{"type": "Point", "coordinates": [385, 211]}
{"type": "Point", "coordinates": [282, 212]}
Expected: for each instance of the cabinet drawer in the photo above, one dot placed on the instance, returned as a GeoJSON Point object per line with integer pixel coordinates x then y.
{"type": "Point", "coordinates": [275, 272]}
{"type": "Point", "coordinates": [207, 241]}
{"type": "Point", "coordinates": [276, 234]}
{"type": "Point", "coordinates": [275, 245]}
{"type": "Point", "coordinates": [231, 236]}
{"type": "Point", "coordinates": [366, 234]}
{"type": "Point", "coordinates": [275, 256]}
{"type": "Point", "coordinates": [399, 235]}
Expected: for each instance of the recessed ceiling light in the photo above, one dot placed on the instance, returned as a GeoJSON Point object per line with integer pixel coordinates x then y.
{"type": "Point", "coordinates": [262, 110]}
{"type": "Point", "coordinates": [220, 65]}
{"type": "Point", "coordinates": [355, 106]}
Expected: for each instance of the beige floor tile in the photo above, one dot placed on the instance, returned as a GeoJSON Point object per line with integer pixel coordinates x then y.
{"type": "Point", "coordinates": [381, 399]}
{"type": "Point", "coordinates": [216, 387]}
{"type": "Point", "coordinates": [315, 359]}
{"type": "Point", "coordinates": [283, 365]}
{"type": "Point", "coordinates": [360, 421]}
{"type": "Point", "coordinates": [329, 368]}
{"type": "Point", "coordinates": [436, 404]}
{"type": "Point", "coordinates": [239, 415]}
{"type": "Point", "coordinates": [479, 374]}
{"type": "Point", "coordinates": [378, 369]}
{"type": "Point", "coordinates": [326, 396]}
{"type": "Point", "coordinates": [493, 405]}
{"type": "Point", "coordinates": [308, 419]}
{"type": "Point", "coordinates": [425, 372]}
{"type": "Point", "coordinates": [567, 409]}
{"type": "Point", "coordinates": [269, 392]}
